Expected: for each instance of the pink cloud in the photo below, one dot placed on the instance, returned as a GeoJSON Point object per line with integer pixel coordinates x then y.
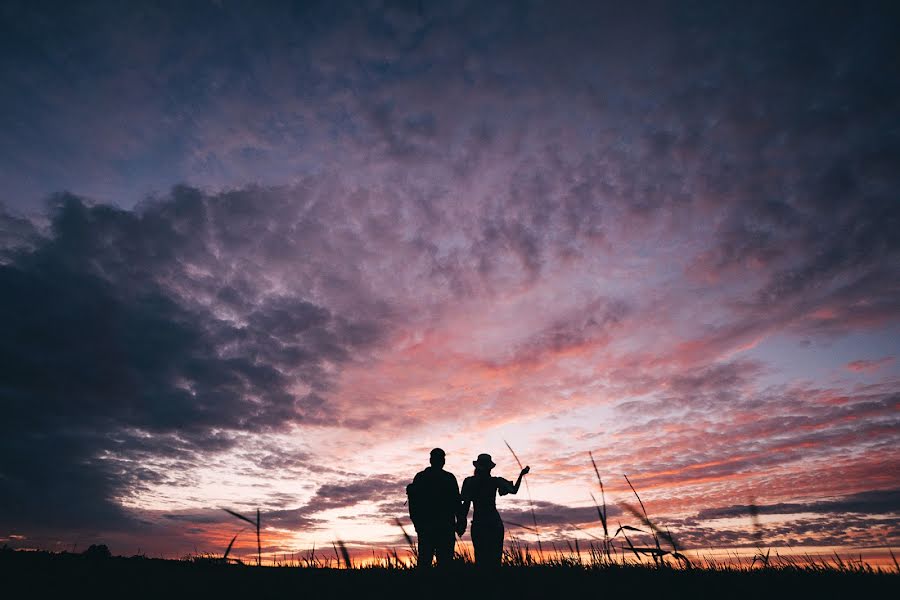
{"type": "Point", "coordinates": [868, 366]}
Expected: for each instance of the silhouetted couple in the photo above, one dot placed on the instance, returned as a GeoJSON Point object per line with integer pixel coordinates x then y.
{"type": "Point", "coordinates": [438, 510]}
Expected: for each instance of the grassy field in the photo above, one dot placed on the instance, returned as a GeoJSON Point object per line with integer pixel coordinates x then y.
{"type": "Point", "coordinates": [631, 562]}
{"type": "Point", "coordinates": [44, 574]}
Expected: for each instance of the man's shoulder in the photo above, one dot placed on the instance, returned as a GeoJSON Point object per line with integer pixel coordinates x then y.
{"type": "Point", "coordinates": [432, 476]}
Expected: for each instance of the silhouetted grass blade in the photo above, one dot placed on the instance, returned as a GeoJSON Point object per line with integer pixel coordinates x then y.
{"type": "Point", "coordinates": [525, 527]}
{"type": "Point", "coordinates": [653, 551]}
{"type": "Point", "coordinates": [255, 524]}
{"type": "Point", "coordinates": [656, 531]}
{"type": "Point", "coordinates": [513, 452]}
{"type": "Point", "coordinates": [630, 545]}
{"type": "Point", "coordinates": [754, 519]}
{"type": "Point", "coordinates": [239, 516]}
{"type": "Point", "coordinates": [683, 559]}
{"type": "Point", "coordinates": [409, 540]}
{"type": "Point", "coordinates": [601, 515]}
{"type": "Point", "coordinates": [644, 510]}
{"type": "Point", "coordinates": [530, 502]}
{"type": "Point", "coordinates": [345, 555]}
{"type": "Point", "coordinates": [230, 544]}
{"type": "Point", "coordinates": [627, 528]}
{"type": "Point", "coordinates": [602, 494]}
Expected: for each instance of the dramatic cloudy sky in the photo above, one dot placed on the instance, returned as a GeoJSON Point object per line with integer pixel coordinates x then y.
{"type": "Point", "coordinates": [269, 254]}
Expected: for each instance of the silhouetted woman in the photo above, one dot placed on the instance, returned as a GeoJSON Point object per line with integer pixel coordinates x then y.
{"type": "Point", "coordinates": [487, 528]}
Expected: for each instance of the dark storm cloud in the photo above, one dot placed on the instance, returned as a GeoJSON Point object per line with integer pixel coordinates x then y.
{"type": "Point", "coordinates": [341, 495]}
{"type": "Point", "coordinates": [15, 234]}
{"type": "Point", "coordinates": [549, 514]}
{"type": "Point", "coordinates": [805, 117]}
{"type": "Point", "coordinates": [732, 107]}
{"type": "Point", "coordinates": [835, 530]}
{"type": "Point", "coordinates": [876, 502]}
{"type": "Point", "coordinates": [112, 362]}
{"type": "Point", "coordinates": [866, 518]}
{"type": "Point", "coordinates": [384, 490]}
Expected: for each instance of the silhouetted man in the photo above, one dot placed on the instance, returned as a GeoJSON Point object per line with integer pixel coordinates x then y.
{"type": "Point", "coordinates": [433, 506]}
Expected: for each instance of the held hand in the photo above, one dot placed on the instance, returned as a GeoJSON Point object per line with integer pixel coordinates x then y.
{"type": "Point", "coordinates": [525, 471]}
{"type": "Point", "coordinates": [460, 527]}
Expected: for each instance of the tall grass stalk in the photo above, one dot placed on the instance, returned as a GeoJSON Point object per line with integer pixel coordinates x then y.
{"type": "Point", "coordinates": [345, 554]}
{"type": "Point", "coordinates": [530, 502]}
{"type": "Point", "coordinates": [256, 525]}
{"type": "Point", "coordinates": [409, 542]}
{"type": "Point", "coordinates": [230, 544]}
{"type": "Point", "coordinates": [601, 510]}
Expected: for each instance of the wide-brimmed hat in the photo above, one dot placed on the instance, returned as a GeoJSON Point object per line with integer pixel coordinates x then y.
{"type": "Point", "coordinates": [484, 462]}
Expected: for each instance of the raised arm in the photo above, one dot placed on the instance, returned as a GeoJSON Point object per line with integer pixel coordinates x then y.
{"type": "Point", "coordinates": [524, 472]}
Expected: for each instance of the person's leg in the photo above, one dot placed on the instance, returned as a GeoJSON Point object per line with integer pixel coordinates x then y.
{"type": "Point", "coordinates": [499, 550]}
{"type": "Point", "coordinates": [444, 547]}
{"type": "Point", "coordinates": [426, 549]}
{"type": "Point", "coordinates": [477, 544]}
{"type": "Point", "coordinates": [487, 540]}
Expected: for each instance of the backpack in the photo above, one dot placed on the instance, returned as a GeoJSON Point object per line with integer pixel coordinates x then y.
{"type": "Point", "coordinates": [413, 494]}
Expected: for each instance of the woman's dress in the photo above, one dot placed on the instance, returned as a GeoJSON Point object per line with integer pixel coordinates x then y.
{"type": "Point", "coordinates": [487, 527]}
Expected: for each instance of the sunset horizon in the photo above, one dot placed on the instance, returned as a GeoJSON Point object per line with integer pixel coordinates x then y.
{"type": "Point", "coordinates": [267, 256]}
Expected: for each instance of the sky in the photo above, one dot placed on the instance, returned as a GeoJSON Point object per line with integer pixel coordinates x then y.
{"type": "Point", "coordinates": [268, 254]}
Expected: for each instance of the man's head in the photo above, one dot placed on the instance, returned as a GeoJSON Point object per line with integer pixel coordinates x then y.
{"type": "Point", "coordinates": [438, 458]}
